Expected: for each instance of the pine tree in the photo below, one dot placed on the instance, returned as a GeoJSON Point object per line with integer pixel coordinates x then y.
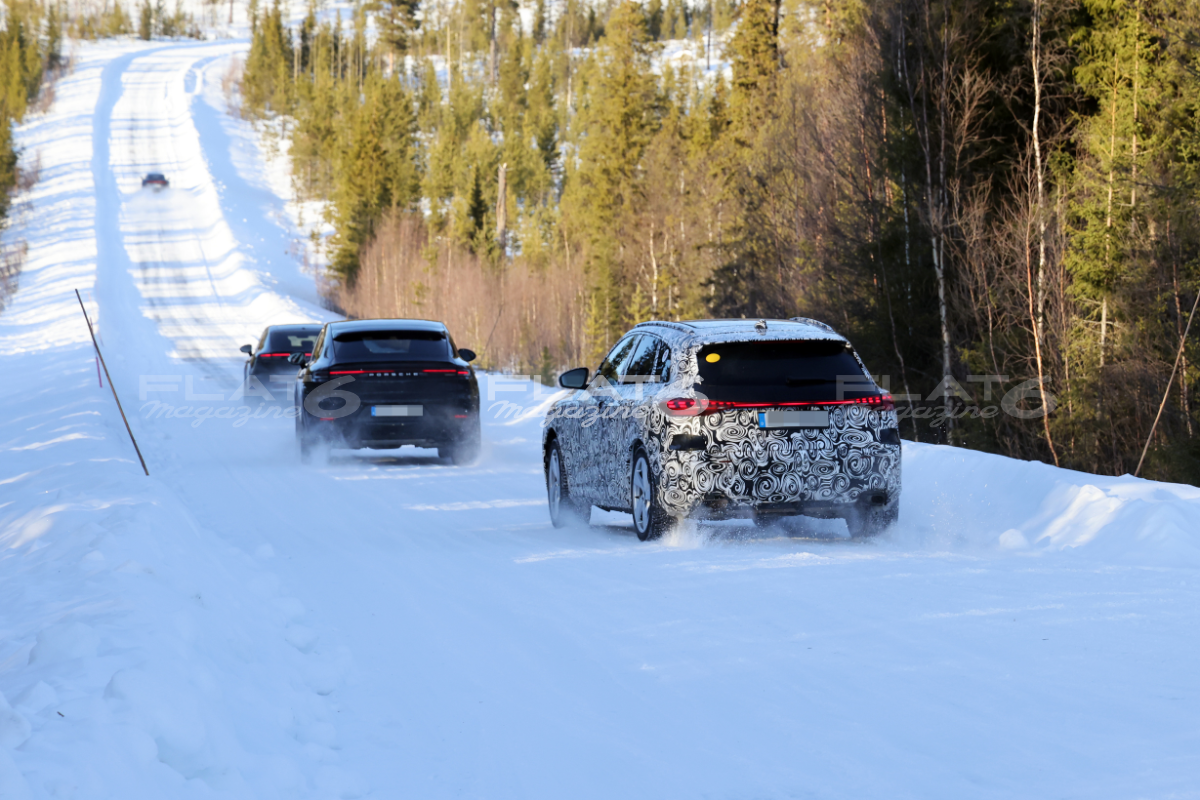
{"type": "Point", "coordinates": [675, 23]}
{"type": "Point", "coordinates": [622, 116]}
{"type": "Point", "coordinates": [146, 21]}
{"type": "Point", "coordinates": [654, 19]}
{"type": "Point", "coordinates": [755, 60]}
{"type": "Point", "coordinates": [377, 170]}
{"type": "Point", "coordinates": [1114, 70]}
{"type": "Point", "coordinates": [541, 120]}
{"type": "Point", "coordinates": [268, 82]}
{"type": "Point", "coordinates": [397, 22]}
{"type": "Point", "coordinates": [539, 26]}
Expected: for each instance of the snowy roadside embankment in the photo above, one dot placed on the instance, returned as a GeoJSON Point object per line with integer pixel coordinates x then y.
{"type": "Point", "coordinates": [956, 497]}
{"type": "Point", "coordinates": [239, 625]}
{"type": "Point", "coordinates": [124, 619]}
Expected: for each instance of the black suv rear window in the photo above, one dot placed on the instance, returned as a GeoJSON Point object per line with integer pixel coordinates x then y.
{"type": "Point", "coordinates": [783, 371]}
{"type": "Point", "coordinates": [292, 340]}
{"type": "Point", "coordinates": [391, 346]}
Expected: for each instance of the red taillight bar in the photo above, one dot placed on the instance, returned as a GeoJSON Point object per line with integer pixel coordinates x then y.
{"type": "Point", "coordinates": [277, 355]}
{"type": "Point", "coordinates": [370, 371]}
{"type": "Point", "coordinates": [690, 407]}
{"type": "Point", "coordinates": [884, 401]}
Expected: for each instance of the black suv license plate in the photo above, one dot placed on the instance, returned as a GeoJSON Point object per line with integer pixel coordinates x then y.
{"type": "Point", "coordinates": [793, 419]}
{"type": "Point", "coordinates": [397, 411]}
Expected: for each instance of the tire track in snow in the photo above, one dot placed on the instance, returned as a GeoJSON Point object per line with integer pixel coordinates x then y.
{"type": "Point", "coordinates": [193, 280]}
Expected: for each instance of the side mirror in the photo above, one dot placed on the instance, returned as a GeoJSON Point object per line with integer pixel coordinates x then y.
{"type": "Point", "coordinates": [574, 378]}
{"type": "Point", "coordinates": [296, 358]}
{"type": "Point", "coordinates": [247, 349]}
{"type": "Point", "coordinates": [465, 354]}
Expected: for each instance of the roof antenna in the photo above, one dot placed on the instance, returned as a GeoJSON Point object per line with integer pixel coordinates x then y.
{"type": "Point", "coordinates": [761, 326]}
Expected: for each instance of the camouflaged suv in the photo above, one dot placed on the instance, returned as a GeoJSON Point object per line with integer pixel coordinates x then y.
{"type": "Point", "coordinates": [725, 418]}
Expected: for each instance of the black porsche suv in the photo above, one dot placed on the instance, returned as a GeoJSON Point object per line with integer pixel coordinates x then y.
{"type": "Point", "coordinates": [268, 371]}
{"type": "Point", "coordinates": [386, 383]}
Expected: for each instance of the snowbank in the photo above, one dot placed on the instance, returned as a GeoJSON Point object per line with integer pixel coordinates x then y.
{"type": "Point", "coordinates": [971, 500]}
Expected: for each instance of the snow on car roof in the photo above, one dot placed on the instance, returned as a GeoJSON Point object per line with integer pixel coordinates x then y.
{"type": "Point", "coordinates": [731, 330]}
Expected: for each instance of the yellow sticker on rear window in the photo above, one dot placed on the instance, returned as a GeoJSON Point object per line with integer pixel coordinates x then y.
{"type": "Point", "coordinates": [712, 358]}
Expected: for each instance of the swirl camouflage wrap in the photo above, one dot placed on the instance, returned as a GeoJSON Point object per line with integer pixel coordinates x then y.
{"type": "Point", "coordinates": [724, 459]}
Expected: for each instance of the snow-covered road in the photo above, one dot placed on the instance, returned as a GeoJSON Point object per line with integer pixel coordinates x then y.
{"type": "Point", "coordinates": [384, 625]}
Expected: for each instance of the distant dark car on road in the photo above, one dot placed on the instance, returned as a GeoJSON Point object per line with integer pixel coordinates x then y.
{"type": "Point", "coordinates": [268, 361]}
{"type": "Point", "coordinates": [387, 383]}
{"type": "Point", "coordinates": [155, 180]}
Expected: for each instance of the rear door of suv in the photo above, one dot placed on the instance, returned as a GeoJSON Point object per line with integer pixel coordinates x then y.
{"type": "Point", "coordinates": [640, 382]}
{"type": "Point", "coordinates": [592, 450]}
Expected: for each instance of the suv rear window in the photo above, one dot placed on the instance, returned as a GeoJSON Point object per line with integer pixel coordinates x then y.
{"type": "Point", "coordinates": [293, 340]}
{"type": "Point", "coordinates": [391, 346]}
{"type": "Point", "coordinates": [781, 371]}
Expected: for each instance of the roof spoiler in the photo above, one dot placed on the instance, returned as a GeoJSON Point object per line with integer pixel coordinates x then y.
{"type": "Point", "coordinates": [815, 323]}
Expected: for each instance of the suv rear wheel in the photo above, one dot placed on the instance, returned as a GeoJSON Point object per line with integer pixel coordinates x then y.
{"type": "Point", "coordinates": [650, 519]}
{"type": "Point", "coordinates": [305, 439]}
{"type": "Point", "coordinates": [465, 451]}
{"type": "Point", "coordinates": [870, 521]}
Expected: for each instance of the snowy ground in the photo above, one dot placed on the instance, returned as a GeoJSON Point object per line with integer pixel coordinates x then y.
{"type": "Point", "coordinates": [387, 626]}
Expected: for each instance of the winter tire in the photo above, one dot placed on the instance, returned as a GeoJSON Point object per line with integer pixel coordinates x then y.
{"type": "Point", "coordinates": [864, 523]}
{"type": "Point", "coordinates": [465, 451]}
{"type": "Point", "coordinates": [305, 440]}
{"type": "Point", "coordinates": [650, 520]}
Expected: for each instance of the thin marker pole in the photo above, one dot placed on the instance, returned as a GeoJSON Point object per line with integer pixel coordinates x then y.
{"type": "Point", "coordinates": [100, 355]}
{"type": "Point", "coordinates": [1171, 380]}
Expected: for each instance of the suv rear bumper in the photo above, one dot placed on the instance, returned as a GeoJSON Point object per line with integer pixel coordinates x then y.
{"type": "Point", "coordinates": [718, 486]}
{"type": "Point", "coordinates": [437, 427]}
{"type": "Point", "coordinates": [716, 507]}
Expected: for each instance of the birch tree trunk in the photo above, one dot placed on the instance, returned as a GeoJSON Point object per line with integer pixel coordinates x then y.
{"type": "Point", "coordinates": [1037, 311]}
{"type": "Point", "coordinates": [502, 211]}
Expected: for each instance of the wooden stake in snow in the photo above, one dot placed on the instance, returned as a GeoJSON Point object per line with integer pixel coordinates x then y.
{"type": "Point", "coordinates": [1163, 404]}
{"type": "Point", "coordinates": [100, 356]}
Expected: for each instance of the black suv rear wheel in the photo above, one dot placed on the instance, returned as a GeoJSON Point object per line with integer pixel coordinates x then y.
{"type": "Point", "coordinates": [304, 439]}
{"type": "Point", "coordinates": [465, 450]}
